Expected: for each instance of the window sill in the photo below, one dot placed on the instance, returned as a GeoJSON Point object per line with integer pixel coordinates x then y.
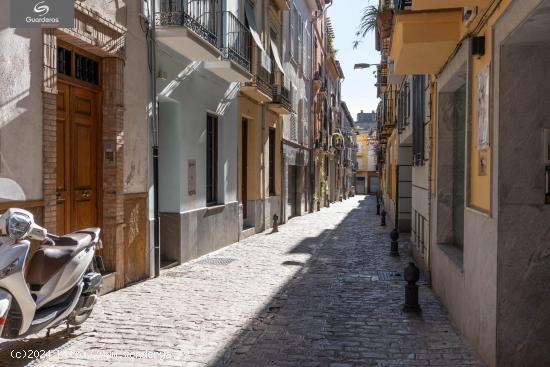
{"type": "Point", "coordinates": [455, 254]}
{"type": "Point", "coordinates": [478, 211]}
{"type": "Point", "coordinates": [212, 209]}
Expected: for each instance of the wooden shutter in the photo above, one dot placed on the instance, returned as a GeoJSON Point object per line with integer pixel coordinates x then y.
{"type": "Point", "coordinates": [299, 44]}
{"type": "Point", "coordinates": [292, 31]}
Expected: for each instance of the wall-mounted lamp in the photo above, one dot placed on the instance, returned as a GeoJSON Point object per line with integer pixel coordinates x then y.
{"type": "Point", "coordinates": [363, 66]}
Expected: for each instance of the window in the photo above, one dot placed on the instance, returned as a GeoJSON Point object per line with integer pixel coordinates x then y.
{"type": "Point", "coordinates": [418, 119]}
{"type": "Point", "coordinates": [86, 69]}
{"type": "Point", "coordinates": [296, 35]}
{"type": "Point", "coordinates": [211, 160]}
{"type": "Point", "coordinates": [77, 66]}
{"type": "Point", "coordinates": [272, 136]}
{"type": "Point", "coordinates": [64, 61]}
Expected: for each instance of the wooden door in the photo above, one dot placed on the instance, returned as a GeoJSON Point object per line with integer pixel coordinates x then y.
{"type": "Point", "coordinates": [244, 167]}
{"type": "Point", "coordinates": [77, 127]}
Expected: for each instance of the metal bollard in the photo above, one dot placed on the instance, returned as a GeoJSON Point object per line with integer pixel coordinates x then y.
{"type": "Point", "coordinates": [275, 223]}
{"type": "Point", "coordinates": [411, 275]}
{"type": "Point", "coordinates": [377, 207]}
{"type": "Point", "coordinates": [383, 218]}
{"type": "Point", "coordinates": [394, 249]}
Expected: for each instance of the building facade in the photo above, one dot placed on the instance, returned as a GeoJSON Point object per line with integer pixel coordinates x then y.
{"type": "Point", "coordinates": [348, 131]}
{"type": "Point", "coordinates": [66, 101]}
{"type": "Point", "coordinates": [478, 218]}
{"type": "Point", "coordinates": [202, 54]}
{"type": "Point", "coordinates": [262, 102]}
{"type": "Point", "coordinates": [366, 176]}
{"type": "Point", "coordinates": [333, 100]}
{"type": "Point", "coordinates": [297, 51]}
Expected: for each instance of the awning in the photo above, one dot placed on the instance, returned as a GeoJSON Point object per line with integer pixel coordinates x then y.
{"type": "Point", "coordinates": [276, 56]}
{"type": "Point", "coordinates": [252, 24]}
{"type": "Point", "coordinates": [266, 61]}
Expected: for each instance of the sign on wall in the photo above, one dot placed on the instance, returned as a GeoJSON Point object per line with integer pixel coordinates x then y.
{"type": "Point", "coordinates": [482, 108]}
{"type": "Point", "coordinates": [42, 13]}
{"type": "Point", "coordinates": [482, 163]}
{"type": "Point", "coordinates": [191, 177]}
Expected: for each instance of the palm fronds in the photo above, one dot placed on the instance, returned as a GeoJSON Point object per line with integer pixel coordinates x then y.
{"type": "Point", "coordinates": [368, 22]}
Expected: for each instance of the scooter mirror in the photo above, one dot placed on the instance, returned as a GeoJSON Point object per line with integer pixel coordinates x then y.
{"type": "Point", "coordinates": [38, 233]}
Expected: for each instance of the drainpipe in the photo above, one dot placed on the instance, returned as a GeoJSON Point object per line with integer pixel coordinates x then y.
{"type": "Point", "coordinates": [398, 145]}
{"type": "Point", "coordinates": [155, 133]}
{"type": "Point", "coordinates": [432, 162]}
{"type": "Point", "coordinates": [262, 189]}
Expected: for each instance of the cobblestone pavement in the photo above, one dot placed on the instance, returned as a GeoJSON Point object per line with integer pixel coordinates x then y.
{"type": "Point", "coordinates": [310, 295]}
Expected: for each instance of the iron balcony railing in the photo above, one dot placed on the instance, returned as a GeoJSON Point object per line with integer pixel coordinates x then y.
{"type": "Point", "coordinates": [261, 72]}
{"type": "Point", "coordinates": [403, 4]}
{"type": "Point", "coordinates": [236, 40]}
{"type": "Point", "coordinates": [281, 95]}
{"type": "Point", "coordinates": [201, 16]}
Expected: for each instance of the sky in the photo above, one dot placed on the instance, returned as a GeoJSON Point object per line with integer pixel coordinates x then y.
{"type": "Point", "coordinates": [358, 90]}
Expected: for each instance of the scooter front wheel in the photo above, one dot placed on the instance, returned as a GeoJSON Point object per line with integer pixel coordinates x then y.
{"type": "Point", "coordinates": [79, 319]}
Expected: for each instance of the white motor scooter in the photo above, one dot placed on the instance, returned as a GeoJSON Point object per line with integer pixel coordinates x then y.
{"type": "Point", "coordinates": [60, 283]}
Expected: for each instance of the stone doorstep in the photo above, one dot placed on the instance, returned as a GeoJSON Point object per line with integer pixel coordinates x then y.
{"type": "Point", "coordinates": [248, 232]}
{"type": "Point", "coordinates": [108, 284]}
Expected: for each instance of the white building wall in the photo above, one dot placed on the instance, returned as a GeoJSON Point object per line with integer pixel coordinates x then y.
{"type": "Point", "coordinates": [20, 111]}
{"type": "Point", "coordinates": [136, 74]}
{"type": "Point", "coordinates": [196, 93]}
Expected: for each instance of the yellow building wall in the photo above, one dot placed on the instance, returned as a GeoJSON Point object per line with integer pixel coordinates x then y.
{"type": "Point", "coordinates": [432, 140]}
{"type": "Point", "coordinates": [258, 149]}
{"type": "Point", "coordinates": [480, 185]}
{"type": "Point", "coordinates": [391, 172]}
{"type": "Point", "coordinates": [253, 113]}
{"type": "Point", "coordinates": [363, 154]}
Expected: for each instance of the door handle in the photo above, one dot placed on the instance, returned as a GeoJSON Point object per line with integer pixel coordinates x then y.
{"type": "Point", "coordinates": [86, 194]}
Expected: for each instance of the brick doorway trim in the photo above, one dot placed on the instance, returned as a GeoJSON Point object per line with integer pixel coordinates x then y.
{"type": "Point", "coordinates": [99, 36]}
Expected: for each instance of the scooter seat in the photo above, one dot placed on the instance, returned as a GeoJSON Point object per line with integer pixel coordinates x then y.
{"type": "Point", "coordinates": [76, 241]}
{"type": "Point", "coordinates": [53, 254]}
{"type": "Point", "coordinates": [94, 232]}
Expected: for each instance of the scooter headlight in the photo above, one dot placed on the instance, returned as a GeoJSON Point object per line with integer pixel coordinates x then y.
{"type": "Point", "coordinates": [18, 225]}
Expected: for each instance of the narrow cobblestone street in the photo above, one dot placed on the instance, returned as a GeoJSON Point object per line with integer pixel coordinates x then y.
{"type": "Point", "coordinates": [313, 294]}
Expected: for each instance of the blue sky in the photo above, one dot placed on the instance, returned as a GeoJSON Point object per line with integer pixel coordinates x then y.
{"type": "Point", "coordinates": [358, 89]}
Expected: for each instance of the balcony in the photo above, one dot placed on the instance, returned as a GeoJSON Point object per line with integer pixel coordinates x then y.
{"type": "Point", "coordinates": [234, 65]}
{"type": "Point", "coordinates": [280, 103]}
{"type": "Point", "coordinates": [317, 81]}
{"type": "Point", "coordinates": [382, 78]}
{"type": "Point", "coordinates": [423, 41]}
{"type": "Point", "coordinates": [260, 88]}
{"type": "Point", "coordinates": [190, 27]}
{"type": "Point", "coordinates": [447, 4]}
